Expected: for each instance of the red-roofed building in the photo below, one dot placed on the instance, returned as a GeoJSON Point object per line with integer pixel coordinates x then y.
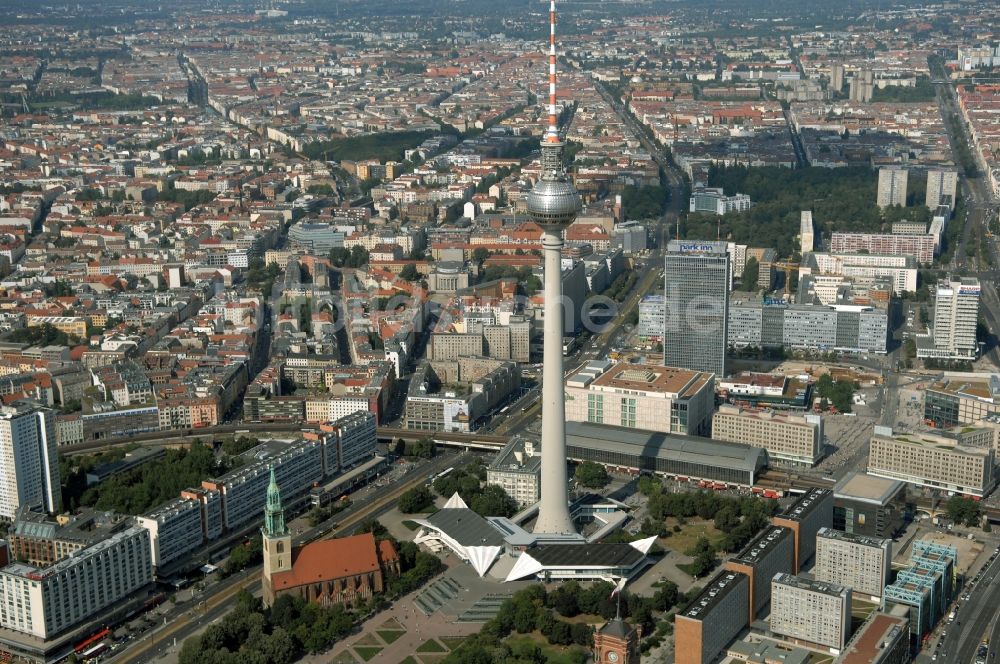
{"type": "Point", "coordinates": [346, 570]}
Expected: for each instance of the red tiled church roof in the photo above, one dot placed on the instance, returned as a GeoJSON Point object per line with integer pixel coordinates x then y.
{"type": "Point", "coordinates": [334, 559]}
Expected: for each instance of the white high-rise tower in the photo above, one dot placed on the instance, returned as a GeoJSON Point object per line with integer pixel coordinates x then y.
{"type": "Point", "coordinates": [553, 204]}
{"type": "Point", "coordinates": [29, 473]}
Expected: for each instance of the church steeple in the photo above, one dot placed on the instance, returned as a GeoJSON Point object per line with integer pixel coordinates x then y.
{"type": "Point", "coordinates": [277, 540]}
{"type": "Point", "coordinates": [274, 513]}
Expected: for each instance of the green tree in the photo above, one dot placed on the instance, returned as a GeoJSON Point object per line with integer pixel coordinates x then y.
{"type": "Point", "coordinates": [963, 510]}
{"type": "Point", "coordinates": [494, 501]}
{"type": "Point", "coordinates": [591, 475]}
{"type": "Point", "coordinates": [409, 272]}
{"type": "Point", "coordinates": [704, 557]}
{"type": "Point", "coordinates": [751, 272]}
{"type": "Point", "coordinates": [417, 499]}
{"type": "Point", "coordinates": [480, 254]}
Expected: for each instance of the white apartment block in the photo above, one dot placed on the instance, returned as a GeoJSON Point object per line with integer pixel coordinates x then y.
{"type": "Point", "coordinates": [865, 268]}
{"type": "Point", "coordinates": [517, 469]}
{"type": "Point", "coordinates": [792, 438]}
{"type": "Point", "coordinates": [942, 187]}
{"type": "Point", "coordinates": [331, 409]}
{"type": "Point", "coordinates": [892, 186]}
{"type": "Point", "coordinates": [355, 441]}
{"type": "Point", "coordinates": [807, 237]}
{"type": "Point", "coordinates": [956, 314]}
{"type": "Point", "coordinates": [859, 562]}
{"type": "Point", "coordinates": [814, 612]}
{"type": "Point", "coordinates": [174, 530]}
{"type": "Point", "coordinates": [28, 458]}
{"type": "Point", "coordinates": [47, 602]}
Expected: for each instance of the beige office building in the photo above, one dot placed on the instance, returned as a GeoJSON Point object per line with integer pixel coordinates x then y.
{"type": "Point", "coordinates": [859, 562]}
{"type": "Point", "coordinates": [641, 396]}
{"type": "Point", "coordinates": [931, 460]}
{"type": "Point", "coordinates": [811, 612]}
{"type": "Point", "coordinates": [793, 438]}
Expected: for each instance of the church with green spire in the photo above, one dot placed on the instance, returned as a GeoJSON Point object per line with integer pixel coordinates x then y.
{"type": "Point", "coordinates": [342, 570]}
{"type": "Point", "coordinates": [274, 513]}
{"type": "Point", "coordinates": [277, 540]}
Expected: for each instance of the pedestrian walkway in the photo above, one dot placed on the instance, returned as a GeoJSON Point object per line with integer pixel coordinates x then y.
{"type": "Point", "coordinates": [437, 594]}
{"type": "Point", "coordinates": [485, 609]}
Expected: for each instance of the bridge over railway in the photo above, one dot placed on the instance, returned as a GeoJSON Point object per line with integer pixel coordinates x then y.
{"type": "Point", "coordinates": [184, 437]}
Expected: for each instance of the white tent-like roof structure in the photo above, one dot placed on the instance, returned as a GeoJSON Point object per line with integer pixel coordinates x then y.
{"type": "Point", "coordinates": [468, 535]}
{"type": "Point", "coordinates": [582, 561]}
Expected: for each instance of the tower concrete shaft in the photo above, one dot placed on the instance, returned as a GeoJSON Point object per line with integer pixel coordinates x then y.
{"type": "Point", "coordinates": [553, 512]}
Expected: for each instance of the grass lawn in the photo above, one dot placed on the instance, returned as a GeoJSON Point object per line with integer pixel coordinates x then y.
{"type": "Point", "coordinates": [392, 624]}
{"type": "Point", "coordinates": [367, 653]}
{"type": "Point", "coordinates": [410, 524]}
{"type": "Point", "coordinates": [452, 642]}
{"type": "Point", "coordinates": [553, 654]}
{"type": "Point", "coordinates": [432, 658]}
{"type": "Point", "coordinates": [688, 537]}
{"type": "Point", "coordinates": [368, 640]}
{"type": "Point", "coordinates": [409, 660]}
{"type": "Point", "coordinates": [389, 635]}
{"type": "Point", "coordinates": [430, 645]}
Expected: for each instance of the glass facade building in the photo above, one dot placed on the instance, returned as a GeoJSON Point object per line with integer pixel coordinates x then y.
{"type": "Point", "coordinates": [696, 311]}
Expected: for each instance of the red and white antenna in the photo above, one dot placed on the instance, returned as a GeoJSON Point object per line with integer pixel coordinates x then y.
{"type": "Point", "coordinates": [552, 134]}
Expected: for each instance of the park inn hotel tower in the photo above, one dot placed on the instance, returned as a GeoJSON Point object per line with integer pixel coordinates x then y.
{"type": "Point", "coordinates": [696, 278]}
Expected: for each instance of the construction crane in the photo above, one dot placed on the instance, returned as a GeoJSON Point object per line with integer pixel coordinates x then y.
{"type": "Point", "coordinates": [787, 268]}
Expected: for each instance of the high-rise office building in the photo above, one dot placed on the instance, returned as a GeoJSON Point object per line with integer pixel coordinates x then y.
{"type": "Point", "coordinates": [942, 186]}
{"type": "Point", "coordinates": [956, 313]}
{"type": "Point", "coordinates": [696, 313]}
{"type": "Point", "coordinates": [892, 186]}
{"type": "Point", "coordinates": [29, 474]}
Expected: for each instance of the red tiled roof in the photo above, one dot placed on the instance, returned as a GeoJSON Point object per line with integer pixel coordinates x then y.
{"type": "Point", "coordinates": [333, 559]}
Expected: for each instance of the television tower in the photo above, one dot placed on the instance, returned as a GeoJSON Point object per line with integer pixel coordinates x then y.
{"type": "Point", "coordinates": [553, 204]}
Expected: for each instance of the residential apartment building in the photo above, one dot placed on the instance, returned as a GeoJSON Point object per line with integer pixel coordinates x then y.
{"type": "Point", "coordinates": [48, 601]}
{"type": "Point", "coordinates": [640, 396]}
{"type": "Point", "coordinates": [697, 277]}
{"type": "Point", "coordinates": [807, 233]}
{"type": "Point", "coordinates": [859, 562]}
{"type": "Point", "coordinates": [31, 463]}
{"type": "Point", "coordinates": [921, 247]}
{"type": "Point", "coordinates": [353, 441]}
{"type": "Point", "coordinates": [517, 469]}
{"type": "Point", "coordinates": [864, 269]}
{"type": "Point", "coordinates": [956, 315]}
{"type": "Point", "coordinates": [813, 612]}
{"type": "Point", "coordinates": [936, 461]}
{"type": "Point", "coordinates": [794, 439]}
{"type": "Point", "coordinates": [713, 619]}
{"type": "Point", "coordinates": [892, 186]}
{"type": "Point", "coordinates": [942, 187]}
